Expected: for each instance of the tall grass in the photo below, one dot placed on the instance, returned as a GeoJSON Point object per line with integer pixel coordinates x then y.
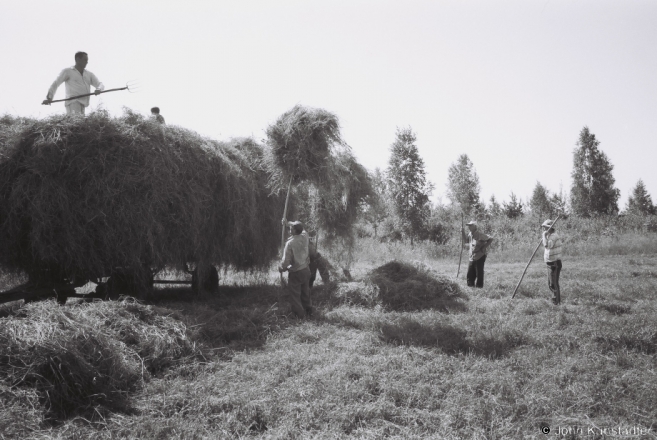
{"type": "Point", "coordinates": [516, 240]}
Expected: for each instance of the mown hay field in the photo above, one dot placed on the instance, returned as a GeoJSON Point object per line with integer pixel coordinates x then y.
{"type": "Point", "coordinates": [462, 363]}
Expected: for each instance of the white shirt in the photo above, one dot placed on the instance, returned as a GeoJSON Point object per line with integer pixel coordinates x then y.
{"type": "Point", "coordinates": [552, 244]}
{"type": "Point", "coordinates": [76, 84]}
{"type": "Point", "coordinates": [296, 253]}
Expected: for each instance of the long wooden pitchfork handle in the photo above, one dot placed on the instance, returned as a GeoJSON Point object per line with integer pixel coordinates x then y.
{"type": "Point", "coordinates": [82, 96]}
{"type": "Point", "coordinates": [530, 260]}
{"type": "Point", "coordinates": [287, 199]}
{"type": "Point", "coordinates": [461, 254]}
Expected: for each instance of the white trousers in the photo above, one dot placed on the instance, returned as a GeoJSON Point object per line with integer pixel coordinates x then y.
{"type": "Point", "coordinates": [75, 107]}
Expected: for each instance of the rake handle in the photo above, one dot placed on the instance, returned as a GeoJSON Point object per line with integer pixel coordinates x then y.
{"type": "Point", "coordinates": [530, 260]}
{"type": "Point", "coordinates": [87, 94]}
{"type": "Point", "coordinates": [461, 254]}
{"type": "Point", "coordinates": [287, 199]}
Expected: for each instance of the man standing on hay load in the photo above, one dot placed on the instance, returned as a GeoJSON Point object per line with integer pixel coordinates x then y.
{"type": "Point", "coordinates": [296, 260]}
{"type": "Point", "coordinates": [78, 82]}
{"type": "Point", "coordinates": [478, 244]}
{"type": "Point", "coordinates": [552, 257]}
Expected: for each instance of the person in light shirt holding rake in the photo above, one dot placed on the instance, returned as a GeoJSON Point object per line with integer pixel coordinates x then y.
{"type": "Point", "coordinates": [552, 257]}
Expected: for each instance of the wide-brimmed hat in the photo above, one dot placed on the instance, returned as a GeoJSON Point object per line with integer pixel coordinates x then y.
{"type": "Point", "coordinates": [471, 222]}
{"type": "Point", "coordinates": [548, 223]}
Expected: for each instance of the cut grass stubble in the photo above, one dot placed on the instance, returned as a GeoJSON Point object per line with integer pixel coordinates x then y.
{"type": "Point", "coordinates": [368, 365]}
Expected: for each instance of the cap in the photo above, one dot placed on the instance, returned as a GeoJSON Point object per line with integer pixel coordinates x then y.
{"type": "Point", "coordinates": [472, 222]}
{"type": "Point", "coordinates": [547, 223]}
{"type": "Point", "coordinates": [297, 226]}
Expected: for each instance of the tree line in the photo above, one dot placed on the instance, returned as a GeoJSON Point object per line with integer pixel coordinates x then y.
{"type": "Point", "coordinates": [401, 208]}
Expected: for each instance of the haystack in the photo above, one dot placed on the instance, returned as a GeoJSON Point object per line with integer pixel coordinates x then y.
{"type": "Point", "coordinates": [80, 196]}
{"type": "Point", "coordinates": [411, 287]}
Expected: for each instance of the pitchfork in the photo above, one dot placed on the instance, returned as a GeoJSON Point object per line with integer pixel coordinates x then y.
{"type": "Point", "coordinates": [130, 86]}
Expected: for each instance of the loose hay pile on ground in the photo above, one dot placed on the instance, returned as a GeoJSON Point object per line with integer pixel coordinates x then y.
{"type": "Point", "coordinates": [359, 293]}
{"type": "Point", "coordinates": [84, 360]}
{"type": "Point", "coordinates": [406, 287]}
{"type": "Point", "coordinates": [84, 195]}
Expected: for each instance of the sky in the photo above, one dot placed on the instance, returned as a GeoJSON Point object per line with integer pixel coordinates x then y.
{"type": "Point", "coordinates": [509, 83]}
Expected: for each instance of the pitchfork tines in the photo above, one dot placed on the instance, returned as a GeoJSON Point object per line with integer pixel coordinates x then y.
{"type": "Point", "coordinates": [132, 86]}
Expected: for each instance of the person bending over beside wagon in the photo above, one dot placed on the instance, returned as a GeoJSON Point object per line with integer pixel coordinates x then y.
{"type": "Point", "coordinates": [478, 244]}
{"type": "Point", "coordinates": [552, 257]}
{"type": "Point", "coordinates": [296, 260]}
{"type": "Point", "coordinates": [317, 261]}
{"type": "Point", "coordinates": [78, 82]}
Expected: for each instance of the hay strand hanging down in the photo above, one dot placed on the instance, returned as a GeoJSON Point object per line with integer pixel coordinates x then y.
{"type": "Point", "coordinates": [301, 143]}
{"type": "Point", "coordinates": [83, 195]}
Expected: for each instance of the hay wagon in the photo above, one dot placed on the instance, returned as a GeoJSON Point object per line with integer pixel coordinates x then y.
{"type": "Point", "coordinates": [112, 200]}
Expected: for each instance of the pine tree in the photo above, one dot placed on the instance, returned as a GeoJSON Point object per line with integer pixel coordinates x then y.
{"type": "Point", "coordinates": [540, 201]}
{"type": "Point", "coordinates": [514, 208]}
{"type": "Point", "coordinates": [640, 201]}
{"type": "Point", "coordinates": [558, 203]}
{"type": "Point", "coordinates": [494, 208]}
{"type": "Point", "coordinates": [593, 189]}
{"type": "Point", "coordinates": [463, 186]}
{"type": "Point", "coordinates": [407, 183]}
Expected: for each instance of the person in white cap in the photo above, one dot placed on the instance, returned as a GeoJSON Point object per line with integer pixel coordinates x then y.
{"type": "Point", "coordinates": [296, 261]}
{"type": "Point", "coordinates": [552, 256]}
{"type": "Point", "coordinates": [478, 242]}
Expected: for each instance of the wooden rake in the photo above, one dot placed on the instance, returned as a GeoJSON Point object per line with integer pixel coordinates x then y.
{"type": "Point", "coordinates": [130, 86]}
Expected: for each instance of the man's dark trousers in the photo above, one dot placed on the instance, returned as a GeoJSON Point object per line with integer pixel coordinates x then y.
{"type": "Point", "coordinates": [554, 270]}
{"type": "Point", "coordinates": [476, 271]}
{"type": "Point", "coordinates": [299, 292]}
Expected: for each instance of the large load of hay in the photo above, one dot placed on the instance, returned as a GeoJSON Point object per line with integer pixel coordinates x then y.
{"type": "Point", "coordinates": [81, 196]}
{"type": "Point", "coordinates": [302, 143]}
{"type": "Point", "coordinates": [331, 187]}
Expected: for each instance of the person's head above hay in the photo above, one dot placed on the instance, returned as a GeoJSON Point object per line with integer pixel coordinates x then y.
{"type": "Point", "coordinates": [156, 116]}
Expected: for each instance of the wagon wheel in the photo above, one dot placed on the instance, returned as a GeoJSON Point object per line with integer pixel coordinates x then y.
{"type": "Point", "coordinates": [52, 281]}
{"type": "Point", "coordinates": [127, 281]}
